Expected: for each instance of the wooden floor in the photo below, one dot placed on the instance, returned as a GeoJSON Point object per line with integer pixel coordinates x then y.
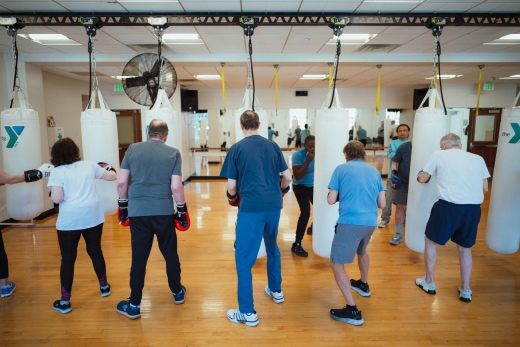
{"type": "Point", "coordinates": [397, 314]}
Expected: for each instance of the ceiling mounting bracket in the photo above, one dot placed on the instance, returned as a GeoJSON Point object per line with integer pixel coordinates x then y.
{"type": "Point", "coordinates": [91, 24]}
{"type": "Point", "coordinates": [159, 25]}
{"type": "Point", "coordinates": [248, 24]}
{"type": "Point", "coordinates": [337, 24]}
{"type": "Point", "coordinates": [436, 25]}
{"type": "Point", "coordinates": [12, 25]}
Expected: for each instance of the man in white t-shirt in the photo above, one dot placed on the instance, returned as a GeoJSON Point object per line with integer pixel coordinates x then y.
{"type": "Point", "coordinates": [461, 183]}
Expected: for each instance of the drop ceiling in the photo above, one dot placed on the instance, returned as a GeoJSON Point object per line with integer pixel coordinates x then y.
{"type": "Point", "coordinates": [405, 52]}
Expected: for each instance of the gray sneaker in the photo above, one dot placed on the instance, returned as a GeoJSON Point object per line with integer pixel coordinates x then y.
{"type": "Point", "coordinates": [397, 239]}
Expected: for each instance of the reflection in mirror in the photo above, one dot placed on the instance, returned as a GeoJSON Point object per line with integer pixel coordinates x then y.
{"type": "Point", "coordinates": [484, 128]}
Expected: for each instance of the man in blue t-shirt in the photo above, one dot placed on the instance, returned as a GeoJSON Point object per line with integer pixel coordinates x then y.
{"type": "Point", "coordinates": [359, 189]}
{"type": "Point", "coordinates": [252, 167]}
{"type": "Point", "coordinates": [303, 187]}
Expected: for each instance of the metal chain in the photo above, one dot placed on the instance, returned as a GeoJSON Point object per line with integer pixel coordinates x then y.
{"type": "Point", "coordinates": [436, 53]}
{"type": "Point", "coordinates": [94, 67]}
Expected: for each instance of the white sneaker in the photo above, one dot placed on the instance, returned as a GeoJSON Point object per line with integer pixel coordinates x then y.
{"type": "Point", "coordinates": [383, 224]}
{"type": "Point", "coordinates": [249, 319]}
{"type": "Point", "coordinates": [465, 295]}
{"type": "Point", "coordinates": [277, 296]}
{"type": "Point", "coordinates": [427, 287]}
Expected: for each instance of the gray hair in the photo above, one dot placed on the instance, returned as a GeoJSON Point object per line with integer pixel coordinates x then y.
{"type": "Point", "coordinates": [451, 140]}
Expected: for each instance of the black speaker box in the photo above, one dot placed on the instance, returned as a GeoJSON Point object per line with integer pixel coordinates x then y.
{"type": "Point", "coordinates": [418, 96]}
{"type": "Point", "coordinates": [189, 100]}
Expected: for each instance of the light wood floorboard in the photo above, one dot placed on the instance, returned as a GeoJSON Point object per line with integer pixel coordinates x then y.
{"type": "Point", "coordinates": [397, 314]}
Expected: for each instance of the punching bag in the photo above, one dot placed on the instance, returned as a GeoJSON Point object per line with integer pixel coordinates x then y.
{"type": "Point", "coordinates": [162, 109]}
{"type": "Point", "coordinates": [331, 133]}
{"type": "Point", "coordinates": [21, 151]}
{"type": "Point", "coordinates": [503, 233]}
{"type": "Point", "coordinates": [429, 127]}
{"type": "Point", "coordinates": [100, 144]}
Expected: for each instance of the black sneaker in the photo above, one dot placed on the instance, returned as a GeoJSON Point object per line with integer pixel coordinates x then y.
{"type": "Point", "coordinates": [360, 287]}
{"type": "Point", "coordinates": [105, 291]}
{"type": "Point", "coordinates": [298, 250]}
{"type": "Point", "coordinates": [309, 231]}
{"type": "Point", "coordinates": [63, 308]}
{"type": "Point", "coordinates": [348, 314]}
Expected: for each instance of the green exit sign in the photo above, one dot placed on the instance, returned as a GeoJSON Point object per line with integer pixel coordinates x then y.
{"type": "Point", "coordinates": [488, 86]}
{"type": "Point", "coordinates": [118, 87]}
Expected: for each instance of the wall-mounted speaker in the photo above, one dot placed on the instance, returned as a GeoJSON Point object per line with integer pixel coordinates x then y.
{"type": "Point", "coordinates": [189, 100]}
{"type": "Point", "coordinates": [301, 93]}
{"type": "Point", "coordinates": [418, 96]}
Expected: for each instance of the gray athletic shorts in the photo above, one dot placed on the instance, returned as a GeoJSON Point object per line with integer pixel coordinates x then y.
{"type": "Point", "coordinates": [348, 241]}
{"type": "Point", "coordinates": [401, 196]}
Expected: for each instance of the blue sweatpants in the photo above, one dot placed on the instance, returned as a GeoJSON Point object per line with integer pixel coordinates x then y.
{"type": "Point", "coordinates": [250, 228]}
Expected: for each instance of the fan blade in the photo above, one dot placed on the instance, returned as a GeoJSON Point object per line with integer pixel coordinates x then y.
{"type": "Point", "coordinates": [155, 69]}
{"type": "Point", "coordinates": [135, 81]}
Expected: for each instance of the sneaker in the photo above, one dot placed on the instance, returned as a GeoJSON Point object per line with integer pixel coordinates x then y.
{"type": "Point", "coordinates": [105, 291]}
{"type": "Point", "coordinates": [465, 295]}
{"type": "Point", "coordinates": [8, 289]}
{"type": "Point", "coordinates": [249, 319]}
{"type": "Point", "coordinates": [360, 287]}
{"type": "Point", "coordinates": [427, 287]}
{"type": "Point", "coordinates": [180, 296]}
{"type": "Point", "coordinates": [127, 309]}
{"type": "Point", "coordinates": [348, 314]}
{"type": "Point", "coordinates": [397, 239]}
{"type": "Point", "coordinates": [298, 250]}
{"type": "Point", "coordinates": [63, 308]}
{"type": "Point", "coordinates": [309, 231]}
{"type": "Point", "coordinates": [383, 224]}
{"type": "Point", "coordinates": [277, 296]}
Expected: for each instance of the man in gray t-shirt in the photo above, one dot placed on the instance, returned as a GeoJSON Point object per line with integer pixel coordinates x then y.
{"type": "Point", "coordinates": [150, 174]}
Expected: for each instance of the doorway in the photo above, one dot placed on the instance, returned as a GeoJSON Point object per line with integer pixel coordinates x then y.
{"type": "Point", "coordinates": [128, 129]}
{"type": "Point", "coordinates": [483, 134]}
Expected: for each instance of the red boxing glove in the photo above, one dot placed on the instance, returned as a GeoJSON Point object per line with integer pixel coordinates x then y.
{"type": "Point", "coordinates": [233, 200]}
{"type": "Point", "coordinates": [106, 166]}
{"type": "Point", "coordinates": [122, 212]}
{"type": "Point", "coordinates": [182, 217]}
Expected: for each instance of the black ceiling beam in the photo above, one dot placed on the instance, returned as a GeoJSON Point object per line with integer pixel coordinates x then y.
{"type": "Point", "coordinates": [272, 19]}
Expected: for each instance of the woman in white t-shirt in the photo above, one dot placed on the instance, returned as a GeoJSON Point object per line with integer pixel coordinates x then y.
{"type": "Point", "coordinates": [72, 184]}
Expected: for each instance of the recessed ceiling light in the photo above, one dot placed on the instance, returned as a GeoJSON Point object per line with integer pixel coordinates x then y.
{"type": "Point", "coordinates": [50, 39]}
{"type": "Point", "coordinates": [512, 77]}
{"type": "Point", "coordinates": [148, 0]}
{"type": "Point", "coordinates": [511, 37]}
{"type": "Point", "coordinates": [392, 1]}
{"type": "Point", "coordinates": [313, 77]}
{"type": "Point", "coordinates": [444, 77]}
{"type": "Point", "coordinates": [207, 77]}
{"type": "Point", "coordinates": [182, 39]}
{"type": "Point", "coordinates": [352, 39]}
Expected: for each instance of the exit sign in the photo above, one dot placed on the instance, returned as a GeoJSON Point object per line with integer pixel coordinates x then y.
{"type": "Point", "coordinates": [118, 87]}
{"type": "Point", "coordinates": [488, 86]}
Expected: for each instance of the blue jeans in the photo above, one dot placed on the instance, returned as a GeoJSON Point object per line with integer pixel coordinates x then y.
{"type": "Point", "coordinates": [251, 227]}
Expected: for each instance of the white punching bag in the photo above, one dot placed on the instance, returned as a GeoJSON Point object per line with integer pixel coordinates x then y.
{"type": "Point", "coordinates": [429, 127]}
{"type": "Point", "coordinates": [21, 152]}
{"type": "Point", "coordinates": [100, 144]}
{"type": "Point", "coordinates": [331, 137]}
{"type": "Point", "coordinates": [503, 231]}
{"type": "Point", "coordinates": [162, 109]}
{"type": "Point", "coordinates": [262, 131]}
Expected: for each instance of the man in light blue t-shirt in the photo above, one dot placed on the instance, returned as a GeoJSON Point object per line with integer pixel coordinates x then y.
{"type": "Point", "coordinates": [303, 187]}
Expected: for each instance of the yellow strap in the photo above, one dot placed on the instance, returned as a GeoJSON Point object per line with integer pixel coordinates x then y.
{"type": "Point", "coordinates": [479, 89]}
{"type": "Point", "coordinates": [276, 88]}
{"type": "Point", "coordinates": [436, 83]}
{"type": "Point", "coordinates": [330, 76]}
{"type": "Point", "coordinates": [378, 92]}
{"type": "Point", "coordinates": [224, 89]}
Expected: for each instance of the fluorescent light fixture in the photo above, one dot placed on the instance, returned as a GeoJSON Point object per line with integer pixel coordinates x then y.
{"type": "Point", "coordinates": [444, 77]}
{"type": "Point", "coordinates": [50, 39]}
{"type": "Point", "coordinates": [394, 1]}
{"type": "Point", "coordinates": [120, 77]}
{"type": "Point", "coordinates": [511, 37]}
{"type": "Point", "coordinates": [148, 0]}
{"type": "Point", "coordinates": [512, 77]}
{"type": "Point", "coordinates": [313, 77]}
{"type": "Point", "coordinates": [207, 77]}
{"type": "Point", "coordinates": [352, 39]}
{"type": "Point", "coordinates": [182, 39]}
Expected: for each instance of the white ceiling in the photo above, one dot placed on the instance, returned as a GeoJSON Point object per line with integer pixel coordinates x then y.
{"type": "Point", "coordinates": [297, 50]}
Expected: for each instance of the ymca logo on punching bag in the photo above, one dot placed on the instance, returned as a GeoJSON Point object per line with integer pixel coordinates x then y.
{"type": "Point", "coordinates": [516, 135]}
{"type": "Point", "coordinates": [14, 133]}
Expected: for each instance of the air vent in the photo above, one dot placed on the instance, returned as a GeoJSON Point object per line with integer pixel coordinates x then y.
{"type": "Point", "coordinates": [301, 93]}
{"type": "Point", "coordinates": [377, 48]}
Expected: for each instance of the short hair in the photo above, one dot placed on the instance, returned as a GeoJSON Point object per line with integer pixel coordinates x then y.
{"type": "Point", "coordinates": [403, 125]}
{"type": "Point", "coordinates": [354, 150]}
{"type": "Point", "coordinates": [157, 129]}
{"type": "Point", "coordinates": [64, 151]}
{"type": "Point", "coordinates": [309, 138]}
{"type": "Point", "coordinates": [451, 140]}
{"type": "Point", "coordinates": [250, 120]}
{"type": "Point", "coordinates": [392, 122]}
{"type": "Point", "coordinates": [306, 126]}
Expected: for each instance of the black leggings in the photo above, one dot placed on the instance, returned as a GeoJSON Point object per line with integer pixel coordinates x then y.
{"type": "Point", "coordinates": [304, 196]}
{"type": "Point", "coordinates": [4, 263]}
{"type": "Point", "coordinates": [68, 240]}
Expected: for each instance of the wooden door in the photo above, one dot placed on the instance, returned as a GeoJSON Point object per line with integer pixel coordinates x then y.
{"type": "Point", "coordinates": [128, 129]}
{"type": "Point", "coordinates": [483, 133]}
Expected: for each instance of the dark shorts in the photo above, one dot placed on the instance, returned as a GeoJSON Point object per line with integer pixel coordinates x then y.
{"type": "Point", "coordinates": [401, 195]}
{"type": "Point", "coordinates": [453, 221]}
{"type": "Point", "coordinates": [381, 140]}
{"type": "Point", "coordinates": [348, 241]}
